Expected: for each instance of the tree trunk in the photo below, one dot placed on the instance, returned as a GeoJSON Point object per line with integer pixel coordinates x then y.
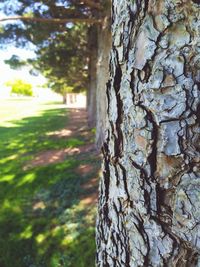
{"type": "Point", "coordinates": [64, 96]}
{"type": "Point", "coordinates": [104, 46]}
{"type": "Point", "coordinates": [149, 204]}
{"type": "Point", "coordinates": [91, 94]}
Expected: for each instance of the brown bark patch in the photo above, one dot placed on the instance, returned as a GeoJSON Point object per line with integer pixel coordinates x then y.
{"type": "Point", "coordinates": [169, 81]}
{"type": "Point", "coordinates": [156, 9]}
{"type": "Point", "coordinates": [140, 140]}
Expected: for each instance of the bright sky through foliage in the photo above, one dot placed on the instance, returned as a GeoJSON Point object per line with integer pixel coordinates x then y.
{"type": "Point", "coordinates": [8, 74]}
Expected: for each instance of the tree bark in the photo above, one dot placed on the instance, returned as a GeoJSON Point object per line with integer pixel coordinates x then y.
{"type": "Point", "coordinates": [104, 46]}
{"type": "Point", "coordinates": [149, 204]}
{"type": "Point", "coordinates": [64, 96]}
{"type": "Point", "coordinates": [92, 88]}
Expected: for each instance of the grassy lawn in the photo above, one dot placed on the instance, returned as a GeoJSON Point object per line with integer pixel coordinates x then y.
{"type": "Point", "coordinates": [46, 219]}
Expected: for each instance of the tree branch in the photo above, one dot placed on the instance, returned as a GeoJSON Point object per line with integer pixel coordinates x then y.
{"type": "Point", "coordinates": [53, 20]}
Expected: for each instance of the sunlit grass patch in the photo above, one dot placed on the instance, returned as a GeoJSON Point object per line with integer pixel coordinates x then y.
{"type": "Point", "coordinates": [43, 220]}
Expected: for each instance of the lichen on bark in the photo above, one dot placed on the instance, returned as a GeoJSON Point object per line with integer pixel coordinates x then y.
{"type": "Point", "coordinates": [149, 192]}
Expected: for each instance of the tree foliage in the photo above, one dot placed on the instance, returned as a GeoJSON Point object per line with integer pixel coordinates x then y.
{"type": "Point", "coordinates": [20, 87]}
{"type": "Point", "coordinates": [63, 60]}
{"type": "Point", "coordinates": [36, 31]}
{"type": "Point", "coordinates": [15, 62]}
{"type": "Point", "coordinates": [61, 48]}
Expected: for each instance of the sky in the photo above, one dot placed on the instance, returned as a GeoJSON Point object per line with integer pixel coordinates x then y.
{"type": "Point", "coordinates": [7, 74]}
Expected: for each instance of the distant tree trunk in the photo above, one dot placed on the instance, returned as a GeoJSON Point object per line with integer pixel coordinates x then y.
{"type": "Point", "coordinates": [149, 204]}
{"type": "Point", "coordinates": [104, 46]}
{"type": "Point", "coordinates": [64, 96]}
{"type": "Point", "coordinates": [91, 93]}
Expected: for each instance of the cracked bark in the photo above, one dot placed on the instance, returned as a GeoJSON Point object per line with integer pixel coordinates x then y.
{"type": "Point", "coordinates": [149, 203]}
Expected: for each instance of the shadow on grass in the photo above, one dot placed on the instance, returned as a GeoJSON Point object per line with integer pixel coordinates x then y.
{"type": "Point", "coordinates": [43, 222]}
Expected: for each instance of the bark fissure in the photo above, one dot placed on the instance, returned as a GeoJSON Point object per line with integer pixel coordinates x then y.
{"type": "Point", "coordinates": [152, 158]}
{"type": "Point", "coordinates": [118, 134]}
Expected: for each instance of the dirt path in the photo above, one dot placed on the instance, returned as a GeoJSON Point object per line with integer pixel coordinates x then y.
{"type": "Point", "coordinates": [76, 125]}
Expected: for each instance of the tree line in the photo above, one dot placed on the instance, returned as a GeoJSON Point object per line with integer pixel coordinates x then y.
{"type": "Point", "coordinates": [71, 51]}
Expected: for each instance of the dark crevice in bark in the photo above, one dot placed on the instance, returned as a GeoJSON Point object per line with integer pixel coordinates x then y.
{"type": "Point", "coordinates": [152, 158]}
{"type": "Point", "coordinates": [124, 176]}
{"type": "Point", "coordinates": [139, 226]}
{"type": "Point", "coordinates": [127, 257]}
{"type": "Point", "coordinates": [119, 239]}
{"type": "Point", "coordinates": [117, 211]}
{"type": "Point", "coordinates": [159, 198]}
{"type": "Point", "coordinates": [116, 85]}
{"type": "Point", "coordinates": [182, 146]}
{"type": "Point", "coordinates": [112, 14]}
{"type": "Point", "coordinates": [198, 114]}
{"type": "Point", "coordinates": [102, 236]}
{"type": "Point", "coordinates": [132, 15]}
{"type": "Point", "coordinates": [114, 243]}
{"type": "Point", "coordinates": [108, 86]}
{"type": "Point", "coordinates": [126, 53]}
{"type": "Point", "coordinates": [170, 120]}
{"type": "Point", "coordinates": [146, 6]}
{"type": "Point", "coordinates": [146, 71]}
{"type": "Point", "coordinates": [196, 2]}
{"type": "Point", "coordinates": [157, 41]}
{"type": "Point", "coordinates": [187, 102]}
{"type": "Point", "coordinates": [181, 140]}
{"type": "Point", "coordinates": [117, 175]}
{"type": "Point", "coordinates": [106, 259]}
{"type": "Point", "coordinates": [142, 170]}
{"type": "Point", "coordinates": [132, 86]}
{"type": "Point", "coordinates": [106, 177]}
{"type": "Point", "coordinates": [126, 247]}
{"type": "Point", "coordinates": [105, 213]}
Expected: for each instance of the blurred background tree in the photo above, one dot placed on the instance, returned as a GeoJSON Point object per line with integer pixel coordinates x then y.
{"type": "Point", "coordinates": [72, 42]}
{"type": "Point", "coordinates": [20, 87]}
{"type": "Point", "coordinates": [64, 67]}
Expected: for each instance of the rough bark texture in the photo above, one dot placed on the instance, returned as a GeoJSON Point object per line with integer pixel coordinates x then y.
{"type": "Point", "coordinates": [92, 88]}
{"type": "Point", "coordinates": [104, 46]}
{"type": "Point", "coordinates": [149, 205]}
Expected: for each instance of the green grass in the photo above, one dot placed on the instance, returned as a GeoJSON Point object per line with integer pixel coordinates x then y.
{"type": "Point", "coordinates": [43, 222]}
